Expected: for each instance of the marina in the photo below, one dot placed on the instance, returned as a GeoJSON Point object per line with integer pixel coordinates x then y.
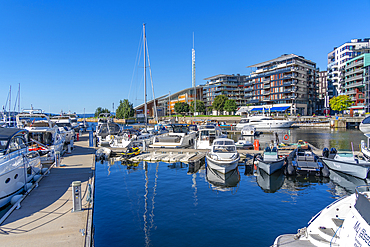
{"type": "Point", "coordinates": [142, 184]}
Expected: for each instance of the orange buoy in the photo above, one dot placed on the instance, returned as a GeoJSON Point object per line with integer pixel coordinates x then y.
{"type": "Point", "coordinates": [286, 137]}
{"type": "Point", "coordinates": [256, 145]}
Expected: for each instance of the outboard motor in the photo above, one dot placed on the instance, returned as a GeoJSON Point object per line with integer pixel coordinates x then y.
{"type": "Point", "coordinates": [333, 151]}
{"type": "Point", "coordinates": [325, 152]}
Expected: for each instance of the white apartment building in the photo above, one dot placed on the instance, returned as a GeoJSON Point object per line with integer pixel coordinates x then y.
{"type": "Point", "coordinates": [339, 56]}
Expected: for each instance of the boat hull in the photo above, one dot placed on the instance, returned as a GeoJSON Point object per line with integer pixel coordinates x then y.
{"type": "Point", "coordinates": [222, 166]}
{"type": "Point", "coordinates": [356, 170]}
{"type": "Point", "coordinates": [270, 166]}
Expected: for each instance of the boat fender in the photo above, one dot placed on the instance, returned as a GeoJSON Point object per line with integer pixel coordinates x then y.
{"type": "Point", "coordinates": [28, 186]}
{"type": "Point", "coordinates": [44, 170]}
{"type": "Point", "coordinates": [36, 177]}
{"type": "Point", "coordinates": [286, 137]}
{"type": "Point", "coordinates": [15, 199]}
{"type": "Point", "coordinates": [325, 152]}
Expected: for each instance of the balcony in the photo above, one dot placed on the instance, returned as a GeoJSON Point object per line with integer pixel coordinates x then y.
{"type": "Point", "coordinates": [248, 89]}
{"type": "Point", "coordinates": [266, 81]}
{"type": "Point", "coordinates": [253, 101]}
{"type": "Point", "coordinates": [267, 93]}
{"type": "Point", "coordinates": [250, 83]}
{"type": "Point", "coordinates": [353, 78]}
{"type": "Point", "coordinates": [352, 85]}
{"type": "Point", "coordinates": [267, 86]}
{"type": "Point", "coordinates": [353, 64]}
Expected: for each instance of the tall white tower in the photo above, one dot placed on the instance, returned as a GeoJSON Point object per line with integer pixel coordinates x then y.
{"type": "Point", "coordinates": [193, 76]}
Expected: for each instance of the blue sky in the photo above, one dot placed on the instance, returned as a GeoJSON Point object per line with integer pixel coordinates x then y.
{"type": "Point", "coordinates": [76, 55]}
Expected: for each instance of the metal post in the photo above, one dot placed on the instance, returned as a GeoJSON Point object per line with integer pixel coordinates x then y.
{"type": "Point", "coordinates": [76, 195]}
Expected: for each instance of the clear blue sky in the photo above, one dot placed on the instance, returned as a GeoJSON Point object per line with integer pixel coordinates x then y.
{"type": "Point", "coordinates": [71, 55]}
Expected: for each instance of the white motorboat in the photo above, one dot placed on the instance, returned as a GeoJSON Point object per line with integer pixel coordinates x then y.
{"type": "Point", "coordinates": [243, 143]}
{"type": "Point", "coordinates": [345, 162]}
{"type": "Point", "coordinates": [132, 138]}
{"type": "Point", "coordinates": [106, 133]}
{"type": "Point", "coordinates": [179, 136]}
{"type": "Point", "coordinates": [269, 161]}
{"type": "Point", "coordinates": [223, 156]}
{"type": "Point", "coordinates": [248, 130]}
{"type": "Point", "coordinates": [365, 148]}
{"type": "Point", "coordinates": [65, 127]}
{"type": "Point", "coordinates": [46, 137]}
{"type": "Point", "coordinates": [18, 165]}
{"type": "Point", "coordinates": [103, 153]}
{"type": "Point", "coordinates": [365, 125]}
{"type": "Point", "coordinates": [208, 133]}
{"type": "Point", "coordinates": [263, 122]}
{"type": "Point", "coordinates": [345, 222]}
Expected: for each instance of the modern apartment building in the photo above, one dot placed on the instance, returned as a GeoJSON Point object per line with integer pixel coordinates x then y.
{"type": "Point", "coordinates": [355, 82]}
{"type": "Point", "coordinates": [232, 86]}
{"type": "Point", "coordinates": [287, 80]}
{"type": "Point", "coordinates": [338, 57]}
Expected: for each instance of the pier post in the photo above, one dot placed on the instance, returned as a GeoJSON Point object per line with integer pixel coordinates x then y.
{"type": "Point", "coordinates": [76, 195]}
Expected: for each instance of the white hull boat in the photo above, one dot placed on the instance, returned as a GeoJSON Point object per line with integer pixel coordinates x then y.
{"type": "Point", "coordinates": [365, 125]}
{"type": "Point", "coordinates": [345, 162]}
{"type": "Point", "coordinates": [18, 165]}
{"type": "Point", "coordinates": [223, 156]}
{"type": "Point", "coordinates": [180, 137]}
{"type": "Point", "coordinates": [208, 133]}
{"type": "Point", "coordinates": [345, 222]}
{"type": "Point", "coordinates": [46, 137]}
{"type": "Point", "coordinates": [263, 122]}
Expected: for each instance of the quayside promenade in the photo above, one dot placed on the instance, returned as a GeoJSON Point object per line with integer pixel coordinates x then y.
{"type": "Point", "coordinates": [45, 217]}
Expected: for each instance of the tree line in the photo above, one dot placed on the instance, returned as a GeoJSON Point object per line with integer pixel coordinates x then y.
{"type": "Point", "coordinates": [221, 103]}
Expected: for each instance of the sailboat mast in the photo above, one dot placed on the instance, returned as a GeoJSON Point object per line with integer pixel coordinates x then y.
{"type": "Point", "coordinates": [145, 106]}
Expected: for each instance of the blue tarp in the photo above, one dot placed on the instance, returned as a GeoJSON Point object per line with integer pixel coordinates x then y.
{"type": "Point", "coordinates": [280, 108]}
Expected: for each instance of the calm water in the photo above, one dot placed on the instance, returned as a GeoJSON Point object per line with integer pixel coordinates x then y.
{"type": "Point", "coordinates": [160, 204]}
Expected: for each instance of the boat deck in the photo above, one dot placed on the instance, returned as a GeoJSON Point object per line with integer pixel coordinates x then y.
{"type": "Point", "coordinates": [45, 217]}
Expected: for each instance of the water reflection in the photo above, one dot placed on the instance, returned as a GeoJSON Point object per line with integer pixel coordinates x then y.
{"type": "Point", "coordinates": [223, 182]}
{"type": "Point", "coordinates": [342, 184]}
{"type": "Point", "coordinates": [270, 183]}
{"type": "Point", "coordinates": [318, 137]}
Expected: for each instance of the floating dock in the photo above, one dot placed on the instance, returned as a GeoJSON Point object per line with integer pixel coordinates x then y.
{"type": "Point", "coordinates": [45, 217]}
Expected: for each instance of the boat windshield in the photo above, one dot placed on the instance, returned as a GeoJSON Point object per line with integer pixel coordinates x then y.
{"type": "Point", "coordinates": [244, 120]}
{"type": "Point", "coordinates": [3, 144]}
{"type": "Point", "coordinates": [223, 149]}
{"type": "Point", "coordinates": [42, 137]}
{"type": "Point", "coordinates": [64, 125]}
{"type": "Point", "coordinates": [180, 129]}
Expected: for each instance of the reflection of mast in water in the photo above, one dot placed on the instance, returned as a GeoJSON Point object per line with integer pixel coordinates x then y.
{"type": "Point", "coordinates": [146, 231]}
{"type": "Point", "coordinates": [195, 189]}
{"type": "Point", "coordinates": [151, 214]}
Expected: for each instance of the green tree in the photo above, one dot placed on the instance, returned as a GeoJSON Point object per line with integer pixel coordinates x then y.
{"type": "Point", "coordinates": [101, 110]}
{"type": "Point", "coordinates": [230, 106]}
{"type": "Point", "coordinates": [219, 103]}
{"type": "Point", "coordinates": [125, 109]}
{"type": "Point", "coordinates": [340, 103]}
{"type": "Point", "coordinates": [200, 106]}
{"type": "Point", "coordinates": [181, 107]}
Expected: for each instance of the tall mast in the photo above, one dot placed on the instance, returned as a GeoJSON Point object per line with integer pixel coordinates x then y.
{"type": "Point", "coordinates": [193, 77]}
{"type": "Point", "coordinates": [145, 106]}
{"type": "Point", "coordinates": [10, 96]}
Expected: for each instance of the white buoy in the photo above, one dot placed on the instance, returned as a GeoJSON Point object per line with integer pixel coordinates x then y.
{"type": "Point", "coordinates": [69, 148]}
{"type": "Point", "coordinates": [15, 199]}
